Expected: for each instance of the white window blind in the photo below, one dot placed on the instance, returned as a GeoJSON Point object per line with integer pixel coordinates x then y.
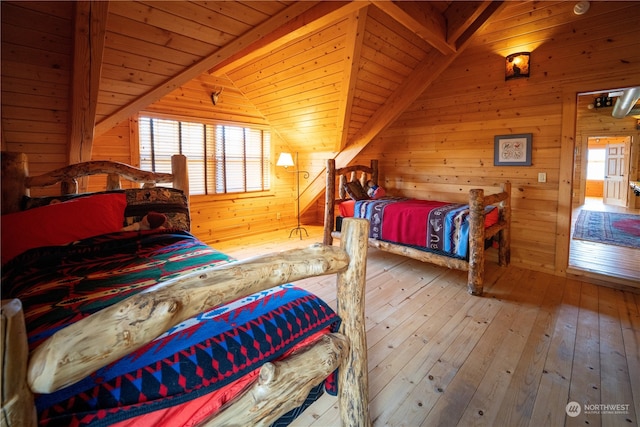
{"type": "Point", "coordinates": [221, 159]}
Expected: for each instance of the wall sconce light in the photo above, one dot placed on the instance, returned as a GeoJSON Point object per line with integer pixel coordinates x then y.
{"type": "Point", "coordinates": [517, 65]}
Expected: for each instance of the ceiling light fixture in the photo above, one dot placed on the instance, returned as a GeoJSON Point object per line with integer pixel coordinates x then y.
{"type": "Point", "coordinates": [581, 8]}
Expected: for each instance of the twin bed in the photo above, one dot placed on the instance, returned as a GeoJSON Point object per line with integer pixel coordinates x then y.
{"type": "Point", "coordinates": [453, 235]}
{"type": "Point", "coordinates": [111, 317]}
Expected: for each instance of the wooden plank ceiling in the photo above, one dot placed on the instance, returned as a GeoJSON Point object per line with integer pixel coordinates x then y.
{"type": "Point", "coordinates": [325, 75]}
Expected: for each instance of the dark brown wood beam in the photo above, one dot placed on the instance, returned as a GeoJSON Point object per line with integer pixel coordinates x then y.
{"type": "Point", "coordinates": [460, 15]}
{"type": "Point", "coordinates": [490, 10]}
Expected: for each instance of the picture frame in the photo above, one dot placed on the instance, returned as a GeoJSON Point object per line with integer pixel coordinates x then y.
{"type": "Point", "coordinates": [512, 150]}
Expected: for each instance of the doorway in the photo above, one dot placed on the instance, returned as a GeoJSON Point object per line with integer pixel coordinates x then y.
{"type": "Point", "coordinates": [603, 156]}
{"type": "Point", "coordinates": [607, 169]}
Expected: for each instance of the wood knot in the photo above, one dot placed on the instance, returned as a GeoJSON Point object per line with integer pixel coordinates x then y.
{"type": "Point", "coordinates": [267, 373]}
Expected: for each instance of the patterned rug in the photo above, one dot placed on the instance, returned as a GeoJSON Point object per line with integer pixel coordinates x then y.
{"type": "Point", "coordinates": [610, 228]}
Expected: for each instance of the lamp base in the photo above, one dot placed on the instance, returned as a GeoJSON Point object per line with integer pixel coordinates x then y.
{"type": "Point", "coordinates": [298, 230]}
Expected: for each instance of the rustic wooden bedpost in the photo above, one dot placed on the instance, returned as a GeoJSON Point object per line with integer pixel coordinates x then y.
{"type": "Point", "coordinates": [180, 173]}
{"type": "Point", "coordinates": [476, 241]}
{"type": "Point", "coordinates": [329, 202]}
{"type": "Point", "coordinates": [69, 186]}
{"type": "Point", "coordinates": [504, 250]}
{"type": "Point", "coordinates": [374, 171]}
{"type": "Point", "coordinates": [15, 170]}
{"type": "Point", "coordinates": [18, 408]}
{"type": "Point", "coordinates": [113, 182]}
{"type": "Point", "coordinates": [353, 379]}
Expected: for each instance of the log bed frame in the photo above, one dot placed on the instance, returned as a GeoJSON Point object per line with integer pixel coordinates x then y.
{"type": "Point", "coordinates": [337, 178]}
{"type": "Point", "coordinates": [76, 351]}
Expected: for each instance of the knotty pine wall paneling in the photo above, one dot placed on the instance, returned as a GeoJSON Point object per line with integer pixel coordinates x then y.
{"type": "Point", "coordinates": [172, 35]}
{"type": "Point", "coordinates": [444, 142]}
{"type": "Point", "coordinates": [36, 72]}
{"type": "Point", "coordinates": [221, 217]}
{"type": "Point", "coordinates": [286, 74]}
{"type": "Point", "coordinates": [118, 145]}
{"type": "Point", "coordinates": [193, 100]}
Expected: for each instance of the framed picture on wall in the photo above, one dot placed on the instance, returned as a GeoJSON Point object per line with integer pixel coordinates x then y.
{"type": "Point", "coordinates": [512, 150]}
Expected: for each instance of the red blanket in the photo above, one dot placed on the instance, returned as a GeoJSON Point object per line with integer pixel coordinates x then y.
{"type": "Point", "coordinates": [402, 219]}
{"type": "Point", "coordinates": [427, 224]}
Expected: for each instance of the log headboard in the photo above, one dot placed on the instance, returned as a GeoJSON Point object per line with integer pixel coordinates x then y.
{"type": "Point", "coordinates": [341, 176]}
{"type": "Point", "coordinates": [16, 182]}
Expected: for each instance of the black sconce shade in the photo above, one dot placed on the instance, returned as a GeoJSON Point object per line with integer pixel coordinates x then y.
{"type": "Point", "coordinates": [517, 65]}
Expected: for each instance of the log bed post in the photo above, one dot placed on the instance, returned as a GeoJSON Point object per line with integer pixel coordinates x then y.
{"type": "Point", "coordinates": [504, 236]}
{"type": "Point", "coordinates": [329, 201]}
{"type": "Point", "coordinates": [18, 408]}
{"type": "Point", "coordinates": [180, 173]}
{"type": "Point", "coordinates": [15, 170]}
{"type": "Point", "coordinates": [476, 241]}
{"type": "Point", "coordinates": [374, 171]}
{"type": "Point", "coordinates": [353, 380]}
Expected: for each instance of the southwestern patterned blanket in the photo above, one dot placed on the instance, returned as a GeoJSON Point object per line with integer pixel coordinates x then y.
{"type": "Point", "coordinates": [437, 226]}
{"type": "Point", "coordinates": [205, 355]}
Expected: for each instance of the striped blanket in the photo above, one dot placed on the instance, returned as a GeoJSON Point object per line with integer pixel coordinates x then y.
{"type": "Point", "coordinates": [438, 226]}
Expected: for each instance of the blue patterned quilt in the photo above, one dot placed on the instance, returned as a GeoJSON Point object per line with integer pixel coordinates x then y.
{"type": "Point", "coordinates": [60, 285]}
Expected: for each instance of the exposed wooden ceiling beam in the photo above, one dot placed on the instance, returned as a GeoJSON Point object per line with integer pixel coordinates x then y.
{"type": "Point", "coordinates": [410, 90]}
{"type": "Point", "coordinates": [206, 63]}
{"type": "Point", "coordinates": [460, 15]}
{"type": "Point", "coordinates": [423, 19]}
{"type": "Point", "coordinates": [355, 39]}
{"type": "Point", "coordinates": [89, 41]}
{"type": "Point", "coordinates": [321, 15]}
{"type": "Point", "coordinates": [486, 12]}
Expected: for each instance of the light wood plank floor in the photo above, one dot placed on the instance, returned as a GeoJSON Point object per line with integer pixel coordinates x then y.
{"type": "Point", "coordinates": [595, 260]}
{"type": "Point", "coordinates": [516, 356]}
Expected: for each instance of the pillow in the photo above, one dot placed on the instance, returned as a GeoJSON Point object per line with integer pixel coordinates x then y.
{"type": "Point", "coordinates": [355, 190]}
{"type": "Point", "coordinates": [37, 202]}
{"type": "Point", "coordinates": [376, 192]}
{"type": "Point", "coordinates": [140, 201]}
{"type": "Point", "coordinates": [61, 223]}
{"type": "Point", "coordinates": [162, 200]}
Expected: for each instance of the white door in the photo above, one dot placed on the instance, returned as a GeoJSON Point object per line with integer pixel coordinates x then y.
{"type": "Point", "coordinates": [615, 175]}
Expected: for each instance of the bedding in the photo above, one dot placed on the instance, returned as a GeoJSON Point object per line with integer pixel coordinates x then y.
{"type": "Point", "coordinates": [191, 369]}
{"type": "Point", "coordinates": [170, 202]}
{"type": "Point", "coordinates": [433, 225]}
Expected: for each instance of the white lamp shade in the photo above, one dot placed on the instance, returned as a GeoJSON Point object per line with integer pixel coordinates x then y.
{"type": "Point", "coordinates": [285, 160]}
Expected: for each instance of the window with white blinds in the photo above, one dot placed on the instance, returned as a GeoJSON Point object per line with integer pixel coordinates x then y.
{"type": "Point", "coordinates": [221, 159]}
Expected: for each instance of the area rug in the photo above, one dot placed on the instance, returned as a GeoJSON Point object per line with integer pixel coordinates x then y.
{"type": "Point", "coordinates": [607, 227]}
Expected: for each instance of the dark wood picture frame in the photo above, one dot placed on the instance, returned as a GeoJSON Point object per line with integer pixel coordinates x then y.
{"type": "Point", "coordinates": [512, 150]}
